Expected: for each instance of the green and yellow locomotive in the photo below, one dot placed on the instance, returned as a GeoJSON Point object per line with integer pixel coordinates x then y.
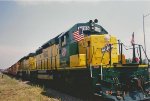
{"type": "Point", "coordinates": [88, 57]}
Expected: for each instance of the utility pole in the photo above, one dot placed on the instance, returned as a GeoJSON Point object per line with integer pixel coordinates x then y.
{"type": "Point", "coordinates": [144, 30]}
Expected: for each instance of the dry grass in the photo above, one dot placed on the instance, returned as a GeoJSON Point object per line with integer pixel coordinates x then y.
{"type": "Point", "coordinates": [14, 90]}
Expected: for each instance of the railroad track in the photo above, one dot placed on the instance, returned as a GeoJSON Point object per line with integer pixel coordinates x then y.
{"type": "Point", "coordinates": [63, 92]}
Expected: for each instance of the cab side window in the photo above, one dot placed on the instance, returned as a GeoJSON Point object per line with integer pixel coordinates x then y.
{"type": "Point", "coordinates": [64, 39]}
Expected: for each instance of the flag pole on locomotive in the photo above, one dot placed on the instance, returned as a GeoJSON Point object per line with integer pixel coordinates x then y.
{"type": "Point", "coordinates": [134, 59]}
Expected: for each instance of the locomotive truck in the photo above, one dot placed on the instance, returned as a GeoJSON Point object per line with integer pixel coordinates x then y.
{"type": "Point", "coordinates": [88, 57]}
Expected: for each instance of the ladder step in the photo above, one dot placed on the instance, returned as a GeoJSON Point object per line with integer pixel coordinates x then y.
{"type": "Point", "coordinates": [98, 84]}
{"type": "Point", "coordinates": [97, 94]}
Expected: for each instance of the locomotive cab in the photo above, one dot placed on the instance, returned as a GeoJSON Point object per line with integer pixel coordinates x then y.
{"type": "Point", "coordinates": [113, 76]}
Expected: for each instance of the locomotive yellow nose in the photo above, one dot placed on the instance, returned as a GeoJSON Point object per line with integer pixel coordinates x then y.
{"type": "Point", "coordinates": [98, 50]}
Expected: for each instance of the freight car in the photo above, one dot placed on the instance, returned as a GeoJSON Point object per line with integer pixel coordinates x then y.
{"type": "Point", "coordinates": [13, 69]}
{"type": "Point", "coordinates": [88, 57]}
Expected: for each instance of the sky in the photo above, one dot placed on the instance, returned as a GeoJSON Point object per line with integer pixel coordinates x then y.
{"type": "Point", "coordinates": [26, 25]}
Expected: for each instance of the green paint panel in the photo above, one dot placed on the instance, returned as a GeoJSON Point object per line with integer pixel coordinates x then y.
{"type": "Point", "coordinates": [73, 48]}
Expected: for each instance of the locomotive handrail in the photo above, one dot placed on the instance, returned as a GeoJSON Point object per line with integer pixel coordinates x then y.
{"type": "Point", "coordinates": [145, 54]}
{"type": "Point", "coordinates": [147, 59]}
{"type": "Point", "coordinates": [135, 46]}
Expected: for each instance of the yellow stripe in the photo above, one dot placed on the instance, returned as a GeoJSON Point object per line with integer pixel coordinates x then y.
{"type": "Point", "coordinates": [40, 76]}
{"type": "Point", "coordinates": [140, 66]}
{"type": "Point", "coordinates": [143, 66]}
{"type": "Point", "coordinates": [71, 68]}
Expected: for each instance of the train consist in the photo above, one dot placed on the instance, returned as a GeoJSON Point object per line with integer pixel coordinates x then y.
{"type": "Point", "coordinates": [88, 57]}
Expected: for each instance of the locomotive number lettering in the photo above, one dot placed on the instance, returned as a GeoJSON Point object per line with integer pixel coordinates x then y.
{"type": "Point", "coordinates": [84, 28]}
{"type": "Point", "coordinates": [97, 29]}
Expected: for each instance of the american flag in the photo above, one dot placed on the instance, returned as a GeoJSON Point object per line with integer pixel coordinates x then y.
{"type": "Point", "coordinates": [78, 35]}
{"type": "Point", "coordinates": [132, 40]}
